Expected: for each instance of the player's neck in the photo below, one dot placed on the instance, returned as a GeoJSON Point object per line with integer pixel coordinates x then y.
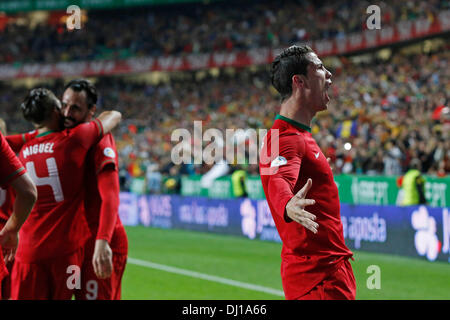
{"type": "Point", "coordinates": [44, 129]}
{"type": "Point", "coordinates": [294, 110]}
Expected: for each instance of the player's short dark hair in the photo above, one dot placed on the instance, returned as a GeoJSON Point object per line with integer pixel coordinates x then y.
{"type": "Point", "coordinates": [291, 61]}
{"type": "Point", "coordinates": [39, 104]}
{"type": "Point", "coordinates": [79, 85]}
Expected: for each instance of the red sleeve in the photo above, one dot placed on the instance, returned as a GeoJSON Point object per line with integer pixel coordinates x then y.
{"type": "Point", "coordinates": [105, 153]}
{"type": "Point", "coordinates": [10, 165]}
{"type": "Point", "coordinates": [108, 187]}
{"type": "Point", "coordinates": [282, 182]}
{"type": "Point", "coordinates": [88, 134]}
{"type": "Point", "coordinates": [16, 141]}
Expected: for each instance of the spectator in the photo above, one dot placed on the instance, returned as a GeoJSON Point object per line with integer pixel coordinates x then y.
{"type": "Point", "coordinates": [413, 185]}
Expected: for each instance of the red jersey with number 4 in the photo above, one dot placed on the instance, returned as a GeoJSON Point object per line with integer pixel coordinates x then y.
{"type": "Point", "coordinates": [103, 154]}
{"type": "Point", "coordinates": [56, 163]}
{"type": "Point", "coordinates": [307, 258]}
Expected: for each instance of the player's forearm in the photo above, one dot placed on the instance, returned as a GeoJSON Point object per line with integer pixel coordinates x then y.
{"type": "Point", "coordinates": [108, 186]}
{"type": "Point", "coordinates": [280, 193]}
{"type": "Point", "coordinates": [26, 196]}
{"type": "Point", "coordinates": [109, 120]}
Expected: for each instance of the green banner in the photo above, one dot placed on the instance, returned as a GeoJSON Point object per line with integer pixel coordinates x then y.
{"type": "Point", "coordinates": [353, 189]}
{"type": "Point", "coordinates": [254, 187]}
{"type": "Point", "coordinates": [191, 186]}
{"type": "Point", "coordinates": [222, 188]}
{"type": "Point", "coordinates": [11, 6]}
{"type": "Point", "coordinates": [437, 191]}
{"type": "Point", "coordinates": [383, 190]}
{"type": "Point", "coordinates": [378, 190]}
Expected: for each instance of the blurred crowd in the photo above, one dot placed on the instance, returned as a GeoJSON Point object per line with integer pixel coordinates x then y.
{"type": "Point", "coordinates": [218, 26]}
{"type": "Point", "coordinates": [382, 116]}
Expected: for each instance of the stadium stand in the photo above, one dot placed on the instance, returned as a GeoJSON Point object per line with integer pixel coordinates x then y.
{"type": "Point", "coordinates": [156, 31]}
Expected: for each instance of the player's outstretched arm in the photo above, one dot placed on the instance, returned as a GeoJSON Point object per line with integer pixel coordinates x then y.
{"type": "Point", "coordinates": [295, 208]}
{"type": "Point", "coordinates": [109, 120]}
{"type": "Point", "coordinates": [26, 196]}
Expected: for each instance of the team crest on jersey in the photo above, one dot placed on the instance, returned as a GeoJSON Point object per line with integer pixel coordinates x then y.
{"type": "Point", "coordinates": [109, 152]}
{"type": "Point", "coordinates": [278, 161]}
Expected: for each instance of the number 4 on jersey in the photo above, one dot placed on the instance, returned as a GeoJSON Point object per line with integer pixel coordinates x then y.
{"type": "Point", "coordinates": [52, 180]}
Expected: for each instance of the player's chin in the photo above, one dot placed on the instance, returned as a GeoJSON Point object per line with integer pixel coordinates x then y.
{"type": "Point", "coordinates": [324, 105]}
{"type": "Point", "coordinates": [69, 123]}
{"type": "Point", "coordinates": [326, 101]}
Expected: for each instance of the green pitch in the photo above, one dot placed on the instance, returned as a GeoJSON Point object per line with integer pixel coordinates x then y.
{"type": "Point", "coordinates": [251, 262]}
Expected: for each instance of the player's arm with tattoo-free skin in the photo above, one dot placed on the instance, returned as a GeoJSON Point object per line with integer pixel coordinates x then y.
{"type": "Point", "coordinates": [26, 196]}
{"type": "Point", "coordinates": [109, 189]}
{"type": "Point", "coordinates": [102, 259]}
{"type": "Point", "coordinates": [109, 120]}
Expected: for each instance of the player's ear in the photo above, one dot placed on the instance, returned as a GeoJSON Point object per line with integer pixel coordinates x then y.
{"type": "Point", "coordinates": [92, 110]}
{"type": "Point", "coordinates": [299, 81]}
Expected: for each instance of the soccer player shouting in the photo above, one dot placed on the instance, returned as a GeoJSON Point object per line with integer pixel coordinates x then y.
{"type": "Point", "coordinates": [52, 238]}
{"type": "Point", "coordinates": [295, 174]}
{"type": "Point", "coordinates": [106, 251]}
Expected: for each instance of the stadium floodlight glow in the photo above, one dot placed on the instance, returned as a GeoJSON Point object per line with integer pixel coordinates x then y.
{"type": "Point", "coordinates": [347, 146]}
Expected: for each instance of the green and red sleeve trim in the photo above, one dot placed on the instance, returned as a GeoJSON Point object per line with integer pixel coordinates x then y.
{"type": "Point", "coordinates": [100, 127]}
{"type": "Point", "coordinates": [102, 165]}
{"type": "Point", "coordinates": [12, 176]}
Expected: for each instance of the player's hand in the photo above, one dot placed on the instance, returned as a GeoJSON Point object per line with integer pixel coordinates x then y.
{"type": "Point", "coordinates": [9, 241]}
{"type": "Point", "coordinates": [102, 259]}
{"type": "Point", "coordinates": [295, 208]}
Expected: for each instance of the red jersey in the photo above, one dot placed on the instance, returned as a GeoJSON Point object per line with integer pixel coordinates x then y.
{"type": "Point", "coordinates": [102, 154]}
{"type": "Point", "coordinates": [307, 258]}
{"type": "Point", "coordinates": [7, 195]}
{"type": "Point", "coordinates": [18, 140]}
{"type": "Point", "coordinates": [10, 166]}
{"type": "Point", "coordinates": [56, 163]}
{"type": "Point", "coordinates": [10, 169]}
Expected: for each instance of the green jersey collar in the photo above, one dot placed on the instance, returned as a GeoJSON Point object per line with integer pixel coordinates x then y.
{"type": "Point", "coordinates": [294, 123]}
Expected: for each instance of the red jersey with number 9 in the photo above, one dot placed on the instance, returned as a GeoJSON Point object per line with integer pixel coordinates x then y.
{"type": "Point", "coordinates": [55, 162]}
